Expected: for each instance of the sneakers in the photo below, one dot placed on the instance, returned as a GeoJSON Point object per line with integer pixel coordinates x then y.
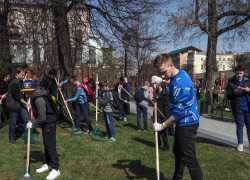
{"type": "Point", "coordinates": [44, 168]}
{"type": "Point", "coordinates": [12, 141]}
{"type": "Point", "coordinates": [120, 119]}
{"type": "Point", "coordinates": [137, 129]}
{"type": "Point", "coordinates": [106, 137]}
{"type": "Point", "coordinates": [77, 131]}
{"type": "Point", "coordinates": [112, 139]}
{"type": "Point", "coordinates": [240, 147]}
{"type": "Point", "coordinates": [53, 174]}
{"type": "Point", "coordinates": [166, 150]}
{"type": "Point", "coordinates": [145, 130]}
{"type": "Point", "coordinates": [125, 119]}
{"type": "Point", "coordinates": [88, 132]}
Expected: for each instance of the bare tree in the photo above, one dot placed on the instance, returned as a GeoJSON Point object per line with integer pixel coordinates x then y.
{"type": "Point", "coordinates": [212, 18]}
{"type": "Point", "coordinates": [241, 60]}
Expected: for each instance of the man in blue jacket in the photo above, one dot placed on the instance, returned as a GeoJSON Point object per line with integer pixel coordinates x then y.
{"type": "Point", "coordinates": [184, 113]}
{"type": "Point", "coordinates": [81, 105]}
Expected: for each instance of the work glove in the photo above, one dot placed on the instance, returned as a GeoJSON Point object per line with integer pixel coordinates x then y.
{"type": "Point", "coordinates": [157, 127]}
{"type": "Point", "coordinates": [3, 96]}
{"type": "Point", "coordinates": [29, 125]}
{"type": "Point", "coordinates": [156, 80]}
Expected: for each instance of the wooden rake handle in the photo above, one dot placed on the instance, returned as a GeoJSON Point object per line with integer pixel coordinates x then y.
{"type": "Point", "coordinates": [63, 101]}
{"type": "Point", "coordinates": [128, 102]}
{"type": "Point", "coordinates": [127, 92]}
{"type": "Point", "coordinates": [156, 107]}
{"type": "Point", "coordinates": [94, 107]}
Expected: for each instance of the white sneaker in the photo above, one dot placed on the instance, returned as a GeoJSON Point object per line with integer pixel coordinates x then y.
{"type": "Point", "coordinates": [44, 168]}
{"type": "Point", "coordinates": [240, 147]}
{"type": "Point", "coordinates": [125, 119]}
{"type": "Point", "coordinates": [53, 174]}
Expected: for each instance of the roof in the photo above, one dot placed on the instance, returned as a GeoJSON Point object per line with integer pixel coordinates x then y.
{"type": "Point", "coordinates": [184, 49]}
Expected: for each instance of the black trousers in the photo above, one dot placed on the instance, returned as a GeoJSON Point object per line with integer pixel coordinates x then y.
{"type": "Point", "coordinates": [185, 152]}
{"type": "Point", "coordinates": [198, 94]}
{"type": "Point", "coordinates": [215, 97]}
{"type": "Point", "coordinates": [164, 136]}
{"type": "Point", "coordinates": [49, 141]}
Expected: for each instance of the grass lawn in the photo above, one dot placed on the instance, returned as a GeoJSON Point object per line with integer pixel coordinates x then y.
{"type": "Point", "coordinates": [132, 156]}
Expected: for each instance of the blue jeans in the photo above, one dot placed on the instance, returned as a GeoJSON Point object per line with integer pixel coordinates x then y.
{"type": "Point", "coordinates": [108, 120]}
{"type": "Point", "coordinates": [143, 110]}
{"type": "Point", "coordinates": [121, 111]}
{"type": "Point", "coordinates": [13, 117]}
{"type": "Point", "coordinates": [241, 117]}
{"type": "Point", "coordinates": [85, 113]}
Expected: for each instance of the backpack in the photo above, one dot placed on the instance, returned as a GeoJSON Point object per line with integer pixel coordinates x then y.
{"type": "Point", "coordinates": [139, 95]}
{"type": "Point", "coordinates": [88, 91]}
{"type": "Point", "coordinates": [55, 106]}
{"type": "Point", "coordinates": [116, 103]}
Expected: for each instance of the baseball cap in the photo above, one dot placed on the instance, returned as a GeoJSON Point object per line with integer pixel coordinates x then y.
{"type": "Point", "coordinates": [29, 85]}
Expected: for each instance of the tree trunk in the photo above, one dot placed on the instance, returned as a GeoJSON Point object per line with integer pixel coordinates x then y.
{"type": "Point", "coordinates": [4, 40]}
{"type": "Point", "coordinates": [66, 65]}
{"type": "Point", "coordinates": [211, 63]}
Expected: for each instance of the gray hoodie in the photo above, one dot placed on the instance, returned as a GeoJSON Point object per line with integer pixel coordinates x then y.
{"type": "Point", "coordinates": [41, 109]}
{"type": "Point", "coordinates": [105, 101]}
{"type": "Point", "coordinates": [145, 102]}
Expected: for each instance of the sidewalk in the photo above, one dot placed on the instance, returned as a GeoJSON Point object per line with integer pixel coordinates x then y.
{"type": "Point", "coordinates": [221, 131]}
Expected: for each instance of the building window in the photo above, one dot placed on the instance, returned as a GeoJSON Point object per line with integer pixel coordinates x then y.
{"type": "Point", "coordinates": [228, 59]}
{"type": "Point", "coordinates": [224, 59]}
{"type": "Point", "coordinates": [92, 55]}
{"type": "Point", "coordinates": [12, 23]}
{"type": "Point", "coordinates": [224, 67]}
{"type": "Point", "coordinates": [19, 9]}
{"type": "Point", "coordinates": [20, 23]}
{"type": "Point", "coordinates": [20, 16]}
{"type": "Point", "coordinates": [201, 59]}
{"type": "Point", "coordinates": [78, 11]}
{"type": "Point", "coordinates": [201, 67]}
{"type": "Point", "coordinates": [219, 59]}
{"type": "Point", "coordinates": [79, 27]}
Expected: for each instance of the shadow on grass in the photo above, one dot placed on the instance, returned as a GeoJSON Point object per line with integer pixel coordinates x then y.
{"type": "Point", "coordinates": [130, 125]}
{"type": "Point", "coordinates": [135, 170]}
{"type": "Point", "coordinates": [143, 141]}
{"type": "Point", "coordinates": [207, 141]}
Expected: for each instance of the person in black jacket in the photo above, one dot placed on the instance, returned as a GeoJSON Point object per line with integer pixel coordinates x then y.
{"type": "Point", "coordinates": [162, 97]}
{"type": "Point", "coordinates": [45, 118]}
{"type": "Point", "coordinates": [48, 82]}
{"type": "Point", "coordinates": [15, 103]}
{"type": "Point", "coordinates": [238, 93]}
{"type": "Point", "coordinates": [3, 91]}
{"type": "Point", "coordinates": [122, 95]}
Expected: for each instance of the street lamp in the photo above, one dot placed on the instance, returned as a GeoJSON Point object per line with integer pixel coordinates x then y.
{"type": "Point", "coordinates": [126, 40]}
{"type": "Point", "coordinates": [88, 62]}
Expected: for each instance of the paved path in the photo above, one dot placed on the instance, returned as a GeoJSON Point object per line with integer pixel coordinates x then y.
{"type": "Point", "coordinates": [221, 131]}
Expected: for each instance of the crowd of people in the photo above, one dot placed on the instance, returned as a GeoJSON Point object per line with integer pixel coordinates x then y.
{"type": "Point", "coordinates": [176, 101]}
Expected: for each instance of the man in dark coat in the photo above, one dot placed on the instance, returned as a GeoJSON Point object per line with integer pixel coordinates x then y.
{"type": "Point", "coordinates": [122, 95]}
{"type": "Point", "coordinates": [48, 82]}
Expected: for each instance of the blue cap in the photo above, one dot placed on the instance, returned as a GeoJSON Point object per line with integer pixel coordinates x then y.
{"type": "Point", "coordinates": [29, 85]}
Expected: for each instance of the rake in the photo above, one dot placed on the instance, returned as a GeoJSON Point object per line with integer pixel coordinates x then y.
{"type": "Point", "coordinates": [73, 124]}
{"type": "Point", "coordinates": [101, 112]}
{"type": "Point", "coordinates": [27, 176]}
{"type": "Point", "coordinates": [96, 133]}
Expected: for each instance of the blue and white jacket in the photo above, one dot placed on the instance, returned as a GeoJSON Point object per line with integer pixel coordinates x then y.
{"type": "Point", "coordinates": [182, 100]}
{"type": "Point", "coordinates": [80, 94]}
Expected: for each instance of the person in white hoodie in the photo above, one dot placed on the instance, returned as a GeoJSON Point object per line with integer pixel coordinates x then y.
{"type": "Point", "coordinates": [142, 107]}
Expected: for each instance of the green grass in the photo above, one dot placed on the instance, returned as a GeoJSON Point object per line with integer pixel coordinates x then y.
{"type": "Point", "coordinates": [132, 156]}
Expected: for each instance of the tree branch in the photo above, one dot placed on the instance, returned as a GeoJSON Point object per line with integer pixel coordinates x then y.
{"type": "Point", "coordinates": [197, 9]}
{"type": "Point", "coordinates": [233, 13]}
{"type": "Point", "coordinates": [221, 31]}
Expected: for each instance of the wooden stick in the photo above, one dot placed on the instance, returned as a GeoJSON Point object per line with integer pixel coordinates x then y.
{"type": "Point", "coordinates": [156, 107]}
{"type": "Point", "coordinates": [128, 102]}
{"type": "Point", "coordinates": [96, 93]}
{"type": "Point", "coordinates": [58, 81]}
{"type": "Point", "coordinates": [127, 92]}
{"type": "Point", "coordinates": [94, 106]}
{"type": "Point", "coordinates": [28, 143]}
{"type": "Point", "coordinates": [66, 105]}
{"type": "Point", "coordinates": [156, 137]}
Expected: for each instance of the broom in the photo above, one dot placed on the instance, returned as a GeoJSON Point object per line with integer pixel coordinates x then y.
{"type": "Point", "coordinates": [73, 124]}
{"type": "Point", "coordinates": [27, 176]}
{"type": "Point", "coordinates": [96, 133]}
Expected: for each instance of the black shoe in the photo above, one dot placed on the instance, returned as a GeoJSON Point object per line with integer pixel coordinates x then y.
{"type": "Point", "coordinates": [12, 141]}
{"type": "Point", "coordinates": [166, 150]}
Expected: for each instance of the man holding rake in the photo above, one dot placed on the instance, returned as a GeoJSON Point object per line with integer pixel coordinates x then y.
{"type": "Point", "coordinates": [184, 112]}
